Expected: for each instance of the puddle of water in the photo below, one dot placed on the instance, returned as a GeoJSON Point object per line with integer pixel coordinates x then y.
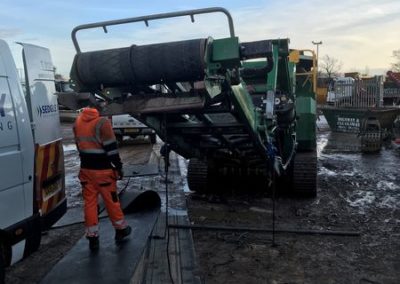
{"type": "Point", "coordinates": [325, 171]}
{"type": "Point", "coordinates": [175, 212]}
{"type": "Point", "coordinates": [183, 163]}
{"type": "Point", "coordinates": [322, 124]}
{"type": "Point", "coordinates": [361, 199]}
{"type": "Point", "coordinates": [389, 201]}
{"type": "Point", "coordinates": [322, 142]}
{"type": "Point", "coordinates": [384, 196]}
{"type": "Point", "coordinates": [344, 157]}
{"type": "Point", "coordinates": [349, 174]}
{"type": "Point", "coordinates": [73, 190]}
{"type": "Point", "coordinates": [387, 185]}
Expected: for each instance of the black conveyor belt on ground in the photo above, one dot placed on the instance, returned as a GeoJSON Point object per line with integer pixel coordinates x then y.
{"type": "Point", "coordinates": [112, 263]}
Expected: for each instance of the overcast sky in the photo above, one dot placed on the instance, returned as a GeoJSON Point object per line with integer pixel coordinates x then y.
{"type": "Point", "coordinates": [361, 33]}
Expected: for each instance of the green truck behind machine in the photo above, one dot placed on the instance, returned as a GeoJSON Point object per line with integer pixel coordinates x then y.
{"type": "Point", "coordinates": [241, 112]}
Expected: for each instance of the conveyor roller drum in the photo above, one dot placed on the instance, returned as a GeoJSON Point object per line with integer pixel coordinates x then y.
{"type": "Point", "coordinates": [178, 61]}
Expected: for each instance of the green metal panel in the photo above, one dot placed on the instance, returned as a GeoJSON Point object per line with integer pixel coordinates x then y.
{"type": "Point", "coordinates": [254, 64]}
{"type": "Point", "coordinates": [273, 75]}
{"type": "Point", "coordinates": [284, 82]}
{"type": "Point", "coordinates": [226, 52]}
{"type": "Point", "coordinates": [292, 77]}
{"type": "Point", "coordinates": [245, 105]}
{"type": "Point", "coordinates": [280, 76]}
{"type": "Point", "coordinates": [305, 106]}
{"type": "Point", "coordinates": [256, 84]}
{"type": "Point", "coordinates": [306, 128]}
{"type": "Point", "coordinates": [259, 88]}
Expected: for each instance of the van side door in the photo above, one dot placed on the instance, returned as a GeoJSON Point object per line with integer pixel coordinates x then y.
{"type": "Point", "coordinates": [12, 209]}
{"type": "Point", "coordinates": [49, 159]}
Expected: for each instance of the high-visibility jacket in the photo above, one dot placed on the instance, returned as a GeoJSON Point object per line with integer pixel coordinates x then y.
{"type": "Point", "coordinates": [96, 141]}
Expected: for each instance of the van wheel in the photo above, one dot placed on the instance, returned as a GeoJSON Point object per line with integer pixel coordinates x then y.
{"type": "Point", "coordinates": [153, 138]}
{"type": "Point", "coordinates": [119, 138]}
{"type": "Point", "coordinates": [33, 240]}
{"type": "Point", "coordinates": [2, 266]}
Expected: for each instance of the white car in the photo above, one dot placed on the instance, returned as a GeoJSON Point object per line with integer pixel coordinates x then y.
{"type": "Point", "coordinates": [126, 125]}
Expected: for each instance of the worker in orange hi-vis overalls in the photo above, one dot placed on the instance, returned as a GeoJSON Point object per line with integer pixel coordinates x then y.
{"type": "Point", "coordinates": [101, 166]}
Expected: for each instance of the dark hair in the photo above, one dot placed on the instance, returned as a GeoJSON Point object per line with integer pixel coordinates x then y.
{"type": "Point", "coordinates": [90, 102]}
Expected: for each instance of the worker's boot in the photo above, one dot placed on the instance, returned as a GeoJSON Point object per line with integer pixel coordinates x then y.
{"type": "Point", "coordinates": [93, 243]}
{"type": "Point", "coordinates": [122, 233]}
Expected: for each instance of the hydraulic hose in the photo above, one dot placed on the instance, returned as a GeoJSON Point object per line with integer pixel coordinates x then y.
{"type": "Point", "coordinates": [266, 230]}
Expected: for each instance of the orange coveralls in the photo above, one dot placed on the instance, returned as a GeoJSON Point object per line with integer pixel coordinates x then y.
{"type": "Point", "coordinates": [100, 165]}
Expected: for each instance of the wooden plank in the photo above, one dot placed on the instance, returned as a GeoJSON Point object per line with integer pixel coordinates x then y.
{"type": "Point", "coordinates": [181, 247]}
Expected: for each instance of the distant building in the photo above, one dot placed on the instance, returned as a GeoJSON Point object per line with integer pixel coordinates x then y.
{"type": "Point", "coordinates": [391, 88]}
{"type": "Point", "coordinates": [354, 75]}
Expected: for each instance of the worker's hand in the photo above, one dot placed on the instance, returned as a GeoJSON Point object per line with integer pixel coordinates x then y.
{"type": "Point", "coordinates": [120, 174]}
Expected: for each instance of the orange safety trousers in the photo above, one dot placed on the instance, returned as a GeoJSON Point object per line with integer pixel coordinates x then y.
{"type": "Point", "coordinates": [103, 182]}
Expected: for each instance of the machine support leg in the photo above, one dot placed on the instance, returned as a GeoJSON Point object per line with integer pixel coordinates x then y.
{"type": "Point", "coordinates": [273, 210]}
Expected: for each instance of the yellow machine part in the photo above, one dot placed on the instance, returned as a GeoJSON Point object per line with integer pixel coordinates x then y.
{"type": "Point", "coordinates": [322, 93]}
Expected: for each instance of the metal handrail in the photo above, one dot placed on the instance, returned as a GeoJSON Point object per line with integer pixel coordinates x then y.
{"type": "Point", "coordinates": [148, 18]}
{"type": "Point", "coordinates": [314, 71]}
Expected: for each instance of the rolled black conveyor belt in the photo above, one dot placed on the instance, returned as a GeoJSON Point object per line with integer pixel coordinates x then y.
{"type": "Point", "coordinates": [178, 61]}
{"type": "Point", "coordinates": [132, 201]}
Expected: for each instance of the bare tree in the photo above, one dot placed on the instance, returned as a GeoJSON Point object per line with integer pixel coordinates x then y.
{"type": "Point", "coordinates": [396, 64]}
{"type": "Point", "coordinates": [330, 66]}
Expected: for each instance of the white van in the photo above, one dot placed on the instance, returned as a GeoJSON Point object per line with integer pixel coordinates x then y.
{"type": "Point", "coordinates": [32, 180]}
{"type": "Point", "coordinates": [127, 125]}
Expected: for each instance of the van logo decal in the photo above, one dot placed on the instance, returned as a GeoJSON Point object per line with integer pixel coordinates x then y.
{"type": "Point", "coordinates": [46, 109]}
{"type": "Point", "coordinates": [2, 103]}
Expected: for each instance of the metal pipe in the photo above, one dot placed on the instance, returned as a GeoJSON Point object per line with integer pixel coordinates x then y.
{"type": "Point", "coordinates": [264, 230]}
{"type": "Point", "coordinates": [146, 19]}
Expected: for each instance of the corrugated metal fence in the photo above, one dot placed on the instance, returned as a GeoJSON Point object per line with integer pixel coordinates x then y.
{"type": "Point", "coordinates": [365, 93]}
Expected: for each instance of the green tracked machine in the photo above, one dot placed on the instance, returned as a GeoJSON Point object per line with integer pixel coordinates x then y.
{"type": "Point", "coordinates": [241, 112]}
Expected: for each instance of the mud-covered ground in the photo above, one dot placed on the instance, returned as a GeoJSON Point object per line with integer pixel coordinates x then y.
{"type": "Point", "coordinates": [356, 193]}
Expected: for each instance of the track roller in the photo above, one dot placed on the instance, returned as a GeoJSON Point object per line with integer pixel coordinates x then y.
{"type": "Point", "coordinates": [197, 176]}
{"type": "Point", "coordinates": [305, 174]}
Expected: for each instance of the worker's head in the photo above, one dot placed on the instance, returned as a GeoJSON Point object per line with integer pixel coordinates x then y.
{"type": "Point", "coordinates": [91, 102]}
